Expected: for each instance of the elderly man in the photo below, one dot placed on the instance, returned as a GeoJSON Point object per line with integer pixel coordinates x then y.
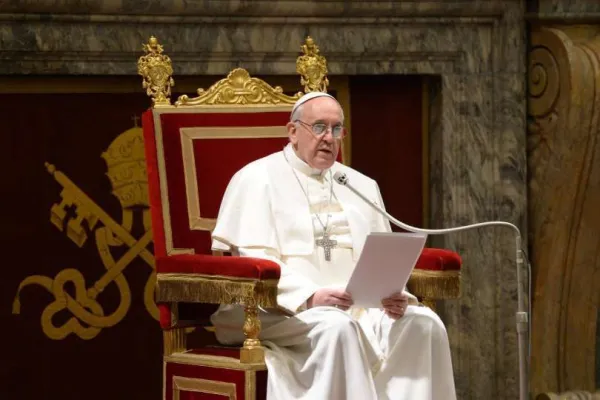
{"type": "Point", "coordinates": [286, 208]}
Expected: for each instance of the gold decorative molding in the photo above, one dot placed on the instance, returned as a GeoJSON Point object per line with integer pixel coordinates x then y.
{"type": "Point", "coordinates": [312, 68]}
{"type": "Point", "coordinates": [241, 89]}
{"type": "Point", "coordinates": [156, 70]}
{"type": "Point", "coordinates": [252, 352]}
{"type": "Point", "coordinates": [250, 386]}
{"type": "Point", "coordinates": [207, 386]}
{"type": "Point", "coordinates": [222, 362]}
{"type": "Point", "coordinates": [564, 193]}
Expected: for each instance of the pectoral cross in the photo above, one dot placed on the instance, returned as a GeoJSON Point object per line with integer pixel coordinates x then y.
{"type": "Point", "coordinates": [327, 244]}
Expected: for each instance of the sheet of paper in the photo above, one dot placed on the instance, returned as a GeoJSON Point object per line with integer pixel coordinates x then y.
{"type": "Point", "coordinates": [384, 266]}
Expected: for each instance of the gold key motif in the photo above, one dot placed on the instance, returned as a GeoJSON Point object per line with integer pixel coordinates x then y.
{"type": "Point", "coordinates": [127, 172]}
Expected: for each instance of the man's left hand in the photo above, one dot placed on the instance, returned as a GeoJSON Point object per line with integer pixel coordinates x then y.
{"type": "Point", "coordinates": [395, 305]}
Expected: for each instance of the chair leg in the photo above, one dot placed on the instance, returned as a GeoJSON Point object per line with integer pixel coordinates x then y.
{"type": "Point", "coordinates": [174, 341]}
{"type": "Point", "coordinates": [252, 352]}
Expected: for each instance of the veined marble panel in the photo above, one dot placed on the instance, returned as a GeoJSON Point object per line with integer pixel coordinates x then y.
{"type": "Point", "coordinates": [408, 47]}
{"type": "Point", "coordinates": [573, 7]}
{"type": "Point", "coordinates": [267, 8]}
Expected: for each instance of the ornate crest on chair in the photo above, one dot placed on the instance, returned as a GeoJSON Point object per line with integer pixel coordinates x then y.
{"type": "Point", "coordinates": [239, 88]}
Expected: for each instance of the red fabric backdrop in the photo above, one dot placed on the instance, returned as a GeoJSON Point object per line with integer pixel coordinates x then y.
{"type": "Point", "coordinates": [123, 361]}
{"type": "Point", "coordinates": [387, 140]}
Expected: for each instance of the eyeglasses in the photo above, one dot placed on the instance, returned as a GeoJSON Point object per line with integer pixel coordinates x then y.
{"type": "Point", "coordinates": [319, 129]}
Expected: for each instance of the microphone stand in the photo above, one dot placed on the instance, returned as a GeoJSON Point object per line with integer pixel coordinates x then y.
{"type": "Point", "coordinates": [522, 315]}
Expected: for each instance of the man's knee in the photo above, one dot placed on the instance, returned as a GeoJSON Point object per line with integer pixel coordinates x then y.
{"type": "Point", "coordinates": [336, 323]}
{"type": "Point", "coordinates": [424, 319]}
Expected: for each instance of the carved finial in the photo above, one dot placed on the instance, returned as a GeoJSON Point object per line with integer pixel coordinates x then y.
{"type": "Point", "coordinates": [156, 70]}
{"type": "Point", "coordinates": [312, 67]}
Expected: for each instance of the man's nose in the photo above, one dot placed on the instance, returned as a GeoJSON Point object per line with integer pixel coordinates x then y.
{"type": "Point", "coordinates": [328, 135]}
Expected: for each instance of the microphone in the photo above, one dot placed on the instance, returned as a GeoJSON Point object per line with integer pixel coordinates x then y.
{"type": "Point", "coordinates": [522, 316]}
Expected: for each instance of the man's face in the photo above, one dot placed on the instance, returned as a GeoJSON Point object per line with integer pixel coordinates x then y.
{"type": "Point", "coordinates": [318, 151]}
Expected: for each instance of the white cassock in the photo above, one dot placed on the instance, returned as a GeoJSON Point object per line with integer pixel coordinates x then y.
{"type": "Point", "coordinates": [324, 352]}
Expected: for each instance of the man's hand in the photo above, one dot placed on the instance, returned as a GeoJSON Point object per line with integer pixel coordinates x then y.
{"type": "Point", "coordinates": [395, 305]}
{"type": "Point", "coordinates": [330, 297]}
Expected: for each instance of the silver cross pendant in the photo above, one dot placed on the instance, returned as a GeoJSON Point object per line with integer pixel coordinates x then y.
{"type": "Point", "coordinates": [327, 244]}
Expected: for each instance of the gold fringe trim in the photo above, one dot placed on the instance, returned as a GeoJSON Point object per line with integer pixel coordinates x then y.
{"type": "Point", "coordinates": [174, 341]}
{"type": "Point", "coordinates": [435, 285]}
{"type": "Point", "coordinates": [195, 288]}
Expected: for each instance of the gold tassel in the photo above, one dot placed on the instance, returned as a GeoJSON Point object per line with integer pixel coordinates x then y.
{"type": "Point", "coordinates": [436, 285]}
{"type": "Point", "coordinates": [215, 289]}
{"type": "Point", "coordinates": [174, 341]}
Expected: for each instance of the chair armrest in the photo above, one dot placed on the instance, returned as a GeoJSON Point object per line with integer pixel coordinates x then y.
{"type": "Point", "coordinates": [200, 278]}
{"type": "Point", "coordinates": [436, 275]}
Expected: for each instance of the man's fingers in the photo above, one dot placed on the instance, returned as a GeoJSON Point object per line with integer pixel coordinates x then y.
{"type": "Point", "coordinates": [341, 301]}
{"type": "Point", "coordinates": [341, 294]}
{"type": "Point", "coordinates": [394, 315]}
{"type": "Point", "coordinates": [397, 296]}
{"type": "Point", "coordinates": [389, 302]}
{"type": "Point", "coordinates": [395, 311]}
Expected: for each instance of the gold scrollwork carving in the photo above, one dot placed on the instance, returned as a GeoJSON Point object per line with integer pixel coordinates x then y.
{"type": "Point", "coordinates": [239, 88]}
{"type": "Point", "coordinates": [126, 169]}
{"type": "Point", "coordinates": [312, 68]}
{"type": "Point", "coordinates": [156, 71]}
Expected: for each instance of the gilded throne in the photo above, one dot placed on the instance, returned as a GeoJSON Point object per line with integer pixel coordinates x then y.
{"type": "Point", "coordinates": [193, 147]}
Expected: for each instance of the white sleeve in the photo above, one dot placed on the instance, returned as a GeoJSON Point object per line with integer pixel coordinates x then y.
{"type": "Point", "coordinates": [293, 289]}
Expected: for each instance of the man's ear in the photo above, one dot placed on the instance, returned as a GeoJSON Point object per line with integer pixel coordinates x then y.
{"type": "Point", "coordinates": [292, 132]}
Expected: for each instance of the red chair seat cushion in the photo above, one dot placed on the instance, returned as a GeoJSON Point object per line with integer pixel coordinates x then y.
{"type": "Point", "coordinates": [432, 259]}
{"type": "Point", "coordinates": [235, 267]}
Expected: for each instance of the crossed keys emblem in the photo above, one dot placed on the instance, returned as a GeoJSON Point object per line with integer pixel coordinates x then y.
{"type": "Point", "coordinates": [126, 169]}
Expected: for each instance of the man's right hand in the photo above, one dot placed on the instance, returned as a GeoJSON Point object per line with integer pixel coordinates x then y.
{"type": "Point", "coordinates": [330, 297]}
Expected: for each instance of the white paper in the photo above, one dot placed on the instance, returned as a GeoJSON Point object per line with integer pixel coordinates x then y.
{"type": "Point", "coordinates": [384, 266]}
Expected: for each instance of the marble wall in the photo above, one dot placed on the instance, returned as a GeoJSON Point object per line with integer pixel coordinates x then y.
{"type": "Point", "coordinates": [568, 8]}
{"type": "Point", "coordinates": [478, 161]}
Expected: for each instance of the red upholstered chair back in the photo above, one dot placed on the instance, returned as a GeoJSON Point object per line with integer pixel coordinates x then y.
{"type": "Point", "coordinates": [192, 153]}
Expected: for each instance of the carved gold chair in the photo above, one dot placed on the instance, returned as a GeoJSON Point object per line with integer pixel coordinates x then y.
{"type": "Point", "coordinates": [193, 147]}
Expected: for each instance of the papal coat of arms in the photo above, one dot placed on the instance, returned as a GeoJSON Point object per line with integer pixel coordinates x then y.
{"type": "Point", "coordinates": [126, 169]}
